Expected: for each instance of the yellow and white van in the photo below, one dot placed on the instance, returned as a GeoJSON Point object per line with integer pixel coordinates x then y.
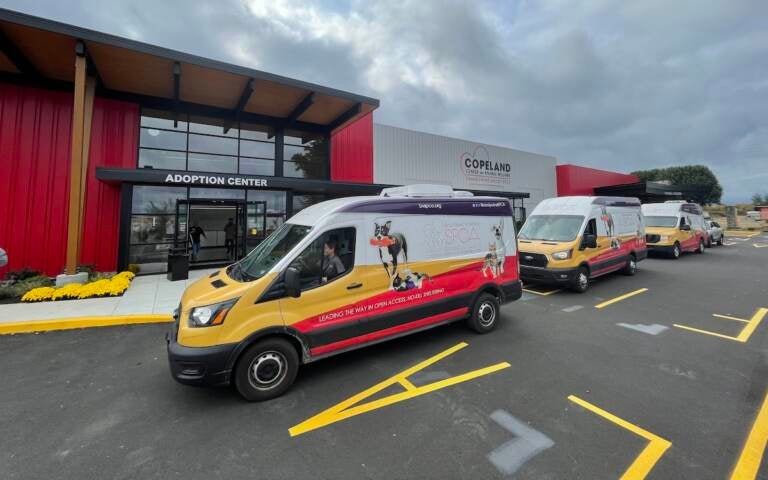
{"type": "Point", "coordinates": [343, 274]}
{"type": "Point", "coordinates": [674, 227]}
{"type": "Point", "coordinates": [571, 240]}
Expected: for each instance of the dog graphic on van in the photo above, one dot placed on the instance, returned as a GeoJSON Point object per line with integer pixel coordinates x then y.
{"type": "Point", "coordinates": [392, 247]}
{"type": "Point", "coordinates": [494, 259]}
{"type": "Point", "coordinates": [610, 227]}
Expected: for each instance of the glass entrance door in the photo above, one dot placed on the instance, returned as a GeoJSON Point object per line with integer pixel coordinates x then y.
{"type": "Point", "coordinates": [212, 232]}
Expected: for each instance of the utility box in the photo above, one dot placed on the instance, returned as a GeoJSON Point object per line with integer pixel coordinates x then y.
{"type": "Point", "coordinates": [730, 216]}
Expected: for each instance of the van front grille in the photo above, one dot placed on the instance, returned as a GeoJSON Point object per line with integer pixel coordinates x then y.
{"type": "Point", "coordinates": [652, 238]}
{"type": "Point", "coordinates": [533, 259]}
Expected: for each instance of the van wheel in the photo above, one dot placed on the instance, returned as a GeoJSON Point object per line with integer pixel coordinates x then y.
{"type": "Point", "coordinates": [631, 267]}
{"type": "Point", "coordinates": [580, 282]}
{"type": "Point", "coordinates": [676, 251]}
{"type": "Point", "coordinates": [266, 370]}
{"type": "Point", "coordinates": [485, 314]}
{"type": "Point", "coordinates": [720, 240]}
{"type": "Point", "coordinates": [701, 247]}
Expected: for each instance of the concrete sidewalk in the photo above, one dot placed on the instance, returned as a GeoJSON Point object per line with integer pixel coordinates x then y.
{"type": "Point", "coordinates": [150, 294]}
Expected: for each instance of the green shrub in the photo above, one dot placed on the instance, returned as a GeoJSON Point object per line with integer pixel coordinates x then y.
{"type": "Point", "coordinates": [23, 274]}
{"type": "Point", "coordinates": [19, 288]}
{"type": "Point", "coordinates": [133, 268]}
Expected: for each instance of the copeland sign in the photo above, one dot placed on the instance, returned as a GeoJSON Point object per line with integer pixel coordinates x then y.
{"type": "Point", "coordinates": [478, 168]}
{"type": "Point", "coordinates": [223, 180]}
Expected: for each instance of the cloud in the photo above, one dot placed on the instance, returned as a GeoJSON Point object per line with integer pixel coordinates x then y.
{"type": "Point", "coordinates": [617, 85]}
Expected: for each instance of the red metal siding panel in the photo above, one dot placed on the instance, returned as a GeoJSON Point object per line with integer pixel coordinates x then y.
{"type": "Point", "coordinates": [575, 180]}
{"type": "Point", "coordinates": [34, 176]}
{"type": "Point", "coordinates": [114, 137]}
{"type": "Point", "coordinates": [352, 152]}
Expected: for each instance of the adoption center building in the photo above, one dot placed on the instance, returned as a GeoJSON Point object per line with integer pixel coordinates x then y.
{"type": "Point", "coordinates": [112, 149]}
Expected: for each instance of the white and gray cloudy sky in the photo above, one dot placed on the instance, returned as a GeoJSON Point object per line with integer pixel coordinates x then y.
{"type": "Point", "coordinates": [622, 85]}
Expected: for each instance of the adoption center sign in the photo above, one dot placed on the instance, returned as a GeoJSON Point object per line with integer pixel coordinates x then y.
{"type": "Point", "coordinates": [223, 180]}
{"type": "Point", "coordinates": [480, 169]}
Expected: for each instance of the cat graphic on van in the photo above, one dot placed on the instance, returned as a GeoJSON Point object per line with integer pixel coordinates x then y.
{"type": "Point", "coordinates": [408, 280]}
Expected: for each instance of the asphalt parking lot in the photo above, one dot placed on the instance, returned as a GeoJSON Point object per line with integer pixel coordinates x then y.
{"type": "Point", "coordinates": [667, 381]}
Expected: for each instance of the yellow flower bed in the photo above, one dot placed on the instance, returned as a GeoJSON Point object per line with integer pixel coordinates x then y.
{"type": "Point", "coordinates": [111, 287]}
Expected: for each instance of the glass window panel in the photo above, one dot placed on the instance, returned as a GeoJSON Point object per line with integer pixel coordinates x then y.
{"type": "Point", "coordinates": [212, 126]}
{"type": "Point", "coordinates": [154, 138]}
{"type": "Point", "coordinates": [207, 144]}
{"type": "Point", "coordinates": [152, 258]}
{"type": "Point", "coordinates": [256, 132]}
{"type": "Point", "coordinates": [217, 193]}
{"type": "Point", "coordinates": [162, 159]}
{"type": "Point", "coordinates": [200, 162]}
{"type": "Point", "coordinates": [163, 119]}
{"type": "Point", "coordinates": [295, 137]}
{"type": "Point", "coordinates": [275, 200]}
{"type": "Point", "coordinates": [151, 199]}
{"type": "Point", "coordinates": [255, 166]}
{"type": "Point", "coordinates": [152, 228]}
{"type": "Point", "coordinates": [290, 139]}
{"type": "Point", "coordinates": [257, 149]}
{"type": "Point", "coordinates": [300, 202]}
{"type": "Point", "coordinates": [303, 170]}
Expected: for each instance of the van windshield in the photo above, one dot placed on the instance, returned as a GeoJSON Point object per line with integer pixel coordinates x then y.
{"type": "Point", "coordinates": [660, 221]}
{"type": "Point", "coordinates": [262, 258]}
{"type": "Point", "coordinates": [554, 228]}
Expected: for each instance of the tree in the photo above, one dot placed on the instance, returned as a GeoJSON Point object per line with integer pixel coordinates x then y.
{"type": "Point", "coordinates": [703, 185]}
{"type": "Point", "coordinates": [758, 200]}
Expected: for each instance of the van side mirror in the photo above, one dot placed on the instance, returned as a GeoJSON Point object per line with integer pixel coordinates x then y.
{"type": "Point", "coordinates": [685, 227]}
{"type": "Point", "coordinates": [292, 282]}
{"type": "Point", "coordinates": [589, 240]}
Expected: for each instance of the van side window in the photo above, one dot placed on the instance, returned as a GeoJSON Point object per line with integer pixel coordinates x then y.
{"type": "Point", "coordinates": [327, 258]}
{"type": "Point", "coordinates": [682, 221]}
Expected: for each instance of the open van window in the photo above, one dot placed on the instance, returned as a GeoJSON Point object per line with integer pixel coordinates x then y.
{"type": "Point", "coordinates": [554, 228]}
{"type": "Point", "coordinates": [660, 221]}
{"type": "Point", "coordinates": [262, 258]}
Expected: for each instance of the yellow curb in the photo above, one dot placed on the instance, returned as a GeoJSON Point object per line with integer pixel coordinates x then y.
{"type": "Point", "coordinates": [80, 322]}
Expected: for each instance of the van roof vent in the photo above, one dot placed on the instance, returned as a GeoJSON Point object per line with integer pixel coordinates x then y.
{"type": "Point", "coordinates": [424, 190]}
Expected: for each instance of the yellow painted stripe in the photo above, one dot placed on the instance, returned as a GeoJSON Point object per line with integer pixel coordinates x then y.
{"type": "Point", "coordinates": [651, 454]}
{"type": "Point", "coordinates": [80, 322]}
{"type": "Point", "coordinates": [752, 325]}
{"type": "Point", "coordinates": [727, 317]}
{"type": "Point", "coordinates": [620, 298]}
{"type": "Point", "coordinates": [706, 332]}
{"type": "Point", "coordinates": [752, 455]}
{"type": "Point", "coordinates": [742, 234]}
{"type": "Point", "coordinates": [352, 406]}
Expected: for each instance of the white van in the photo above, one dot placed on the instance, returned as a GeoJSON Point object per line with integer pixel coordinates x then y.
{"type": "Point", "coordinates": [343, 274]}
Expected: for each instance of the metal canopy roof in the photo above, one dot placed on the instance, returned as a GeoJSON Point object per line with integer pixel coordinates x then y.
{"type": "Point", "coordinates": [42, 51]}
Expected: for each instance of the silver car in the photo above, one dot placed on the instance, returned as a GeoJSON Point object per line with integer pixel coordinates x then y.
{"type": "Point", "coordinates": [715, 233]}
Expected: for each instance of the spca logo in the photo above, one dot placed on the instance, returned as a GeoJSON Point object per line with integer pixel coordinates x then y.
{"type": "Point", "coordinates": [478, 167]}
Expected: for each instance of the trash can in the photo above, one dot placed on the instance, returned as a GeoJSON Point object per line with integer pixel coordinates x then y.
{"type": "Point", "coordinates": [178, 264]}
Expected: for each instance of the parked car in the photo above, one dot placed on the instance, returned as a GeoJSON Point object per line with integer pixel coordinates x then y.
{"type": "Point", "coordinates": [715, 233]}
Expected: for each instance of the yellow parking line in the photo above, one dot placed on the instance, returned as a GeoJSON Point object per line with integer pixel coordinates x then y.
{"type": "Point", "coordinates": [80, 322]}
{"type": "Point", "coordinates": [355, 405]}
{"type": "Point", "coordinates": [543, 294]}
{"type": "Point", "coordinates": [652, 452]}
{"type": "Point", "coordinates": [620, 298]}
{"type": "Point", "coordinates": [706, 332]}
{"type": "Point", "coordinates": [749, 461]}
{"type": "Point", "coordinates": [730, 318]}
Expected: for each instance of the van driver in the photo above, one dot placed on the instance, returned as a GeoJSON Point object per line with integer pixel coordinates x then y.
{"type": "Point", "coordinates": [333, 266]}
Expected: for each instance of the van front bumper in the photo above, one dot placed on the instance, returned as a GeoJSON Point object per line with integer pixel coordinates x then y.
{"type": "Point", "coordinates": [547, 275]}
{"type": "Point", "coordinates": [656, 248]}
{"type": "Point", "coordinates": [202, 366]}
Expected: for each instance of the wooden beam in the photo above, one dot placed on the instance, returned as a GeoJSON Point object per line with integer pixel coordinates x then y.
{"type": "Point", "coordinates": [345, 117]}
{"type": "Point", "coordinates": [76, 166]}
{"type": "Point", "coordinates": [241, 103]}
{"type": "Point", "coordinates": [176, 92]}
{"type": "Point", "coordinates": [90, 93]}
{"type": "Point", "coordinates": [299, 109]}
{"type": "Point", "coordinates": [92, 70]}
{"type": "Point", "coordinates": [17, 57]}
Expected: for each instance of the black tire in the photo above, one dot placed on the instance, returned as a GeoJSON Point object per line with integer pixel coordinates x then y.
{"type": "Point", "coordinates": [631, 267]}
{"type": "Point", "coordinates": [720, 240]}
{"type": "Point", "coordinates": [266, 369]}
{"type": "Point", "coordinates": [709, 243]}
{"type": "Point", "coordinates": [485, 313]}
{"type": "Point", "coordinates": [580, 282]}
{"type": "Point", "coordinates": [700, 250]}
{"type": "Point", "coordinates": [675, 251]}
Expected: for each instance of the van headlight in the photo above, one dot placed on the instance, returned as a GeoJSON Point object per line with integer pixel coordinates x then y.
{"type": "Point", "coordinates": [210, 315]}
{"type": "Point", "coordinates": [663, 238]}
{"type": "Point", "coordinates": [564, 255]}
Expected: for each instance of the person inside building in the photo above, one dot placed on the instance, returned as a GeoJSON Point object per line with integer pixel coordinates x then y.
{"type": "Point", "coordinates": [333, 266]}
{"type": "Point", "coordinates": [194, 234]}
{"type": "Point", "coordinates": [230, 233]}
